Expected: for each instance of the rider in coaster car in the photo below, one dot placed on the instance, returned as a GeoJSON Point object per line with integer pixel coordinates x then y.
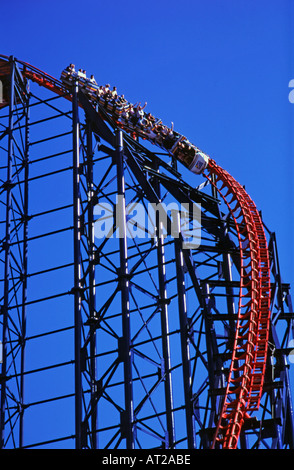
{"type": "Point", "coordinates": [70, 68]}
{"type": "Point", "coordinates": [100, 91]}
{"type": "Point", "coordinates": [82, 74]}
{"type": "Point", "coordinates": [92, 80]}
{"type": "Point", "coordinates": [140, 114]}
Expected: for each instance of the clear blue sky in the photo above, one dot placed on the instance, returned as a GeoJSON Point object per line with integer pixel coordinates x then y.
{"type": "Point", "coordinates": [219, 69]}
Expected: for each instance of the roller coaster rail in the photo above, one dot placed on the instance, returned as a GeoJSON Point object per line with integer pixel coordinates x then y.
{"type": "Point", "coordinates": [173, 347]}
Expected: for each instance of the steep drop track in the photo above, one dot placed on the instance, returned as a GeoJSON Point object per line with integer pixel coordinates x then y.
{"type": "Point", "coordinates": [247, 369]}
{"type": "Point", "coordinates": [249, 353]}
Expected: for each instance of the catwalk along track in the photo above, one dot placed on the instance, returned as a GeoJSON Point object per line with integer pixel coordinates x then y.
{"type": "Point", "coordinates": [249, 350]}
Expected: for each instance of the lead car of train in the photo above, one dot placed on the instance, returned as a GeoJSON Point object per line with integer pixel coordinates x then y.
{"type": "Point", "coordinates": [136, 121]}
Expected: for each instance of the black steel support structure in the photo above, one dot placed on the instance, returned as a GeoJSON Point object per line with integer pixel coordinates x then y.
{"type": "Point", "coordinates": [85, 320]}
{"type": "Point", "coordinates": [185, 341]}
{"type": "Point", "coordinates": [25, 165]}
{"type": "Point", "coordinates": [127, 418]}
{"type": "Point", "coordinates": [14, 191]}
{"type": "Point", "coordinates": [92, 292]}
{"type": "Point", "coordinates": [77, 290]}
{"type": "Point", "coordinates": [109, 325]}
{"type": "Point", "coordinates": [7, 245]}
{"type": "Point", "coordinates": [163, 305]}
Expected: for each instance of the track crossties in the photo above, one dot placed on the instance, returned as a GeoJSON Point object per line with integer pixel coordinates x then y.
{"type": "Point", "coordinates": [247, 369]}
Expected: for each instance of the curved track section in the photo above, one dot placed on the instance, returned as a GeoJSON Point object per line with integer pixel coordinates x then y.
{"type": "Point", "coordinates": [247, 370]}
{"type": "Point", "coordinates": [249, 353]}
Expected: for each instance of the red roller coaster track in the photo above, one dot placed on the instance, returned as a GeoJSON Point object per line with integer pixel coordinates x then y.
{"type": "Point", "coordinates": [247, 370]}
{"type": "Point", "coordinates": [249, 354]}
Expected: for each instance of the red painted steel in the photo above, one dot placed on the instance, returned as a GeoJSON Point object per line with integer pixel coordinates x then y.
{"type": "Point", "coordinates": [248, 362]}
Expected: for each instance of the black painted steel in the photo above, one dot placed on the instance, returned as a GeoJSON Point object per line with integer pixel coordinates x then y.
{"type": "Point", "coordinates": [125, 341]}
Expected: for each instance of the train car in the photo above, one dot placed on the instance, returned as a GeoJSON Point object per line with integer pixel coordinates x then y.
{"type": "Point", "coordinates": [135, 121]}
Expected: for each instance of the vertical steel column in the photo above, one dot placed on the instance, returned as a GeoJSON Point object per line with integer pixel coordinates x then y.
{"type": "Point", "coordinates": [224, 237]}
{"type": "Point", "coordinates": [184, 327]}
{"type": "Point", "coordinates": [77, 268]}
{"type": "Point", "coordinates": [216, 380]}
{"type": "Point", "coordinates": [91, 256]}
{"type": "Point", "coordinates": [170, 438]}
{"type": "Point", "coordinates": [25, 268]}
{"type": "Point", "coordinates": [7, 248]}
{"type": "Point", "coordinates": [128, 418]}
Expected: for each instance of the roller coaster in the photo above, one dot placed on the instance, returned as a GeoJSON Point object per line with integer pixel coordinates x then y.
{"type": "Point", "coordinates": [247, 387]}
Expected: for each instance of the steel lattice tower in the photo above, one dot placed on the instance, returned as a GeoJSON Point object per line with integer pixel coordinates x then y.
{"type": "Point", "coordinates": [117, 342]}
